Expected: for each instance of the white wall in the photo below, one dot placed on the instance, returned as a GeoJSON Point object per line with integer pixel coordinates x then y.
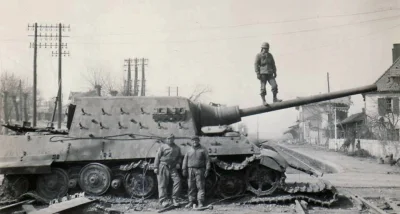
{"type": "Point", "coordinates": [374, 147]}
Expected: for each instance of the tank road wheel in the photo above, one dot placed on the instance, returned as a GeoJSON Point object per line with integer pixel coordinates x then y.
{"type": "Point", "coordinates": [117, 182]}
{"type": "Point", "coordinates": [16, 185]}
{"type": "Point", "coordinates": [137, 185]}
{"type": "Point", "coordinates": [262, 180]}
{"type": "Point", "coordinates": [230, 184]}
{"type": "Point", "coordinates": [73, 174]}
{"type": "Point", "coordinates": [53, 185]}
{"type": "Point", "coordinates": [95, 179]}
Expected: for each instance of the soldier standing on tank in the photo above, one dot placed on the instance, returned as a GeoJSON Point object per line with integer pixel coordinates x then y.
{"type": "Point", "coordinates": [196, 165]}
{"type": "Point", "coordinates": [266, 71]}
{"type": "Point", "coordinates": [166, 164]}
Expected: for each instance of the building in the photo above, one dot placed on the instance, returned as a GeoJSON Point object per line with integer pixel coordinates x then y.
{"type": "Point", "coordinates": [353, 126]}
{"type": "Point", "coordinates": [382, 106]}
{"type": "Point", "coordinates": [317, 121]}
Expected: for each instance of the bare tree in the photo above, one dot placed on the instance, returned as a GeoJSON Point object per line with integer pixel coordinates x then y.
{"type": "Point", "coordinates": [103, 81]}
{"type": "Point", "coordinates": [111, 85]}
{"type": "Point", "coordinates": [97, 79]}
{"type": "Point", "coordinates": [383, 124]}
{"type": "Point", "coordinates": [9, 89]}
{"type": "Point", "coordinates": [199, 92]}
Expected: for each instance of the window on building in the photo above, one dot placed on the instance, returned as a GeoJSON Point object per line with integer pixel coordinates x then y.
{"type": "Point", "coordinates": [389, 106]}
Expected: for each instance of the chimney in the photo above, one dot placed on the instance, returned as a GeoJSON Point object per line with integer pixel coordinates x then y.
{"type": "Point", "coordinates": [98, 89]}
{"type": "Point", "coordinates": [363, 110]}
{"type": "Point", "coordinates": [396, 52]}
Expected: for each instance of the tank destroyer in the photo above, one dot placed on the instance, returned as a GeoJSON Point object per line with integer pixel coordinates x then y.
{"type": "Point", "coordinates": [111, 144]}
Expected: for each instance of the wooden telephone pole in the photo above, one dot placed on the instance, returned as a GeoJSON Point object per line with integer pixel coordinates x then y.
{"type": "Point", "coordinates": [48, 37]}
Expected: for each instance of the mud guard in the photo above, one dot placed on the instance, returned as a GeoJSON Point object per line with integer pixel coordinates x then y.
{"type": "Point", "coordinates": [26, 165]}
{"type": "Point", "coordinates": [273, 160]}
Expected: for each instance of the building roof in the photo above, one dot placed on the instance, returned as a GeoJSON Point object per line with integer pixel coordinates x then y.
{"type": "Point", "coordinates": [354, 118]}
{"type": "Point", "coordinates": [388, 70]}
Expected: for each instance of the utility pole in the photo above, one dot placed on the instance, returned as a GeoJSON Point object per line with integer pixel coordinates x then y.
{"type": "Point", "coordinates": [35, 45]}
{"type": "Point", "coordinates": [128, 89]}
{"type": "Point", "coordinates": [20, 99]}
{"type": "Point", "coordinates": [170, 89]}
{"type": "Point", "coordinates": [135, 85]}
{"type": "Point", "coordinates": [335, 125]}
{"type": "Point", "coordinates": [60, 28]}
{"type": "Point", "coordinates": [327, 78]}
{"type": "Point", "coordinates": [143, 90]}
{"type": "Point", "coordinates": [257, 131]}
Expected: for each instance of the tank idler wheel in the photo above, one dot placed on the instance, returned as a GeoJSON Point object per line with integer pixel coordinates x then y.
{"type": "Point", "coordinates": [262, 180]}
{"type": "Point", "coordinates": [16, 185]}
{"type": "Point", "coordinates": [140, 185]}
{"type": "Point", "coordinates": [95, 179]}
{"type": "Point", "coordinates": [53, 185]}
{"type": "Point", "coordinates": [230, 184]}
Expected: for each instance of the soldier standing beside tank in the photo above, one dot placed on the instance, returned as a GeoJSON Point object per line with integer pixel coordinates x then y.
{"type": "Point", "coordinates": [196, 165]}
{"type": "Point", "coordinates": [166, 164]}
{"type": "Point", "coordinates": [266, 71]}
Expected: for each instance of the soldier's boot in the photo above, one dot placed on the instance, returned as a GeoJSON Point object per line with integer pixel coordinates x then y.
{"type": "Point", "coordinates": [276, 100]}
{"type": "Point", "coordinates": [200, 204]}
{"type": "Point", "coordinates": [263, 100]}
{"type": "Point", "coordinates": [189, 205]}
{"type": "Point", "coordinates": [174, 202]}
{"type": "Point", "coordinates": [165, 204]}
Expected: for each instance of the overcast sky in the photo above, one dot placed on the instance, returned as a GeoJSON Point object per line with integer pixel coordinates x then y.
{"type": "Point", "coordinates": [211, 43]}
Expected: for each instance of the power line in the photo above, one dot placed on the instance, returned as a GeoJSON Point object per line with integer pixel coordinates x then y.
{"type": "Point", "coordinates": [251, 24]}
{"type": "Point", "coordinates": [248, 37]}
{"type": "Point", "coordinates": [57, 37]}
{"type": "Point", "coordinates": [341, 41]}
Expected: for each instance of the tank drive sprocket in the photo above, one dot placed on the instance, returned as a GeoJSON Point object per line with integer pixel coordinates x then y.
{"type": "Point", "coordinates": [16, 185]}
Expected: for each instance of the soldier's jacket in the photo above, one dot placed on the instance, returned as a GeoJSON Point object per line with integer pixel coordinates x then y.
{"type": "Point", "coordinates": [196, 157]}
{"type": "Point", "coordinates": [265, 63]}
{"type": "Point", "coordinates": [168, 154]}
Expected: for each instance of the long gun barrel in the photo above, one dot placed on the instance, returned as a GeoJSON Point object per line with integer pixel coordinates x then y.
{"type": "Point", "coordinates": [214, 116]}
{"type": "Point", "coordinates": [306, 100]}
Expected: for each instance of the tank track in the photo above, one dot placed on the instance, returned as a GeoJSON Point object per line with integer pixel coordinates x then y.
{"type": "Point", "coordinates": [32, 194]}
{"type": "Point", "coordinates": [320, 193]}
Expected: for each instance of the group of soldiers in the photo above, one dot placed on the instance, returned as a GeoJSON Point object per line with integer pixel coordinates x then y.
{"type": "Point", "coordinates": [195, 165]}
{"type": "Point", "coordinates": [196, 162]}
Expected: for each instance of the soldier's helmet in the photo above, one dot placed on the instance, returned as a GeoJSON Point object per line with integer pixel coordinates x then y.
{"type": "Point", "coordinates": [171, 136]}
{"type": "Point", "coordinates": [196, 138]}
{"type": "Point", "coordinates": [265, 45]}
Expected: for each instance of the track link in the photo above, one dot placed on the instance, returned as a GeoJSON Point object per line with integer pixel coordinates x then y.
{"type": "Point", "coordinates": [320, 193]}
